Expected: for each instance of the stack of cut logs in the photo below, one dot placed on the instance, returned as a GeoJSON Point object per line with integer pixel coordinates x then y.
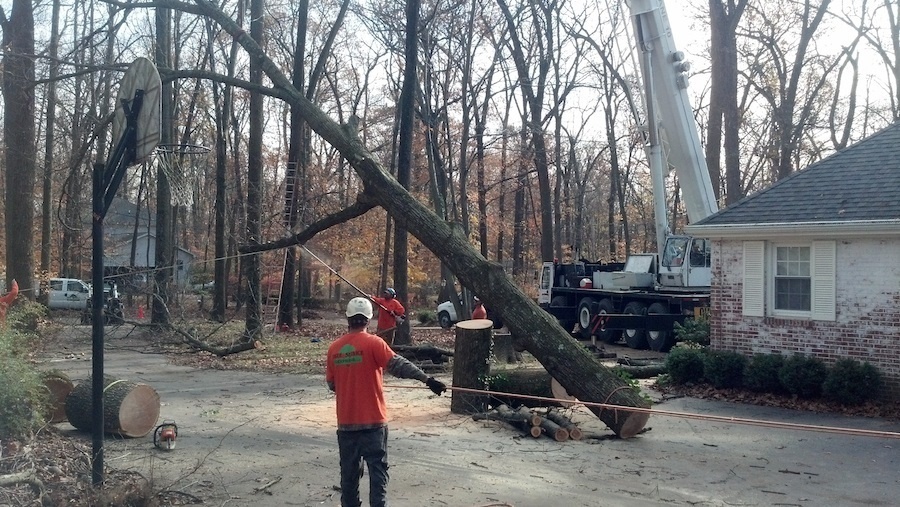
{"type": "Point", "coordinates": [551, 423]}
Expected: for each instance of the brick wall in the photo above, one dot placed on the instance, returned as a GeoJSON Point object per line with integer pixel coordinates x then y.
{"type": "Point", "coordinates": [868, 310]}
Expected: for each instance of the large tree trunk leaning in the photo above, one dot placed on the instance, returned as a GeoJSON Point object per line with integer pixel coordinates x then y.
{"type": "Point", "coordinates": [130, 409]}
{"type": "Point", "coordinates": [59, 386]}
{"type": "Point", "coordinates": [471, 365]}
{"type": "Point", "coordinates": [566, 360]}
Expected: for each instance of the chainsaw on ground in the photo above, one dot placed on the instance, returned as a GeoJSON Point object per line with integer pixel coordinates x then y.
{"type": "Point", "coordinates": [164, 435]}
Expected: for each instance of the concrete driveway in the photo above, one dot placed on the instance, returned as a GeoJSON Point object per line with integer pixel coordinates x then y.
{"type": "Point", "coordinates": [250, 439]}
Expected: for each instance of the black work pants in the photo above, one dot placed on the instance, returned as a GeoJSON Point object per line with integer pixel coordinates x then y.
{"type": "Point", "coordinates": [354, 448]}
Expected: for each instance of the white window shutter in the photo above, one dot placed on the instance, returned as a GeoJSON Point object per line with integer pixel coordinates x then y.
{"type": "Point", "coordinates": [754, 296]}
{"type": "Point", "coordinates": [823, 280]}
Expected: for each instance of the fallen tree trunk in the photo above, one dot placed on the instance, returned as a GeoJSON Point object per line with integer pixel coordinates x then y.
{"type": "Point", "coordinates": [130, 409]}
{"type": "Point", "coordinates": [566, 360]}
{"type": "Point", "coordinates": [424, 352]}
{"type": "Point", "coordinates": [523, 381]}
{"type": "Point", "coordinates": [644, 371]}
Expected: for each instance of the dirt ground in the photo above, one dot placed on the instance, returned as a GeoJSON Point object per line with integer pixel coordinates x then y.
{"type": "Point", "coordinates": [267, 439]}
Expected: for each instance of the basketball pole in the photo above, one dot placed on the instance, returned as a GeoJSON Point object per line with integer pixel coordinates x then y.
{"type": "Point", "coordinates": [106, 180]}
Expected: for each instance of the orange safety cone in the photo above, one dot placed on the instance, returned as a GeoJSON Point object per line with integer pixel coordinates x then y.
{"type": "Point", "coordinates": [140, 313]}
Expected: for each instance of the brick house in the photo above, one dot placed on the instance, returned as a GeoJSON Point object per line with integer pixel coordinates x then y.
{"type": "Point", "coordinates": [811, 265]}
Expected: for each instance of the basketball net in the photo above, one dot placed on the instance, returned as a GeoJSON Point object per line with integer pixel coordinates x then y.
{"type": "Point", "coordinates": [179, 162]}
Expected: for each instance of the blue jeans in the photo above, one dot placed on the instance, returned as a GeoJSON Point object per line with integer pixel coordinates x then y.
{"type": "Point", "coordinates": [354, 447]}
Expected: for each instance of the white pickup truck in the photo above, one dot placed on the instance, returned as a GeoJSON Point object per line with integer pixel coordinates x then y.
{"type": "Point", "coordinates": [68, 294]}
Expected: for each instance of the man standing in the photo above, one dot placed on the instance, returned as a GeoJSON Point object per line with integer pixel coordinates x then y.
{"type": "Point", "coordinates": [390, 314]}
{"type": "Point", "coordinates": [354, 371]}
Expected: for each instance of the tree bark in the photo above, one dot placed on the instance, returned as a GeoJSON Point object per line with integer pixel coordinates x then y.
{"type": "Point", "coordinates": [19, 137]}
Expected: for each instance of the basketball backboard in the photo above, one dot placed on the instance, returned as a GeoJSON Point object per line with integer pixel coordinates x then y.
{"type": "Point", "coordinates": [141, 75]}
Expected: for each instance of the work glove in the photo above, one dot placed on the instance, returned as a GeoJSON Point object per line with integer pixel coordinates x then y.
{"type": "Point", "coordinates": [399, 319]}
{"type": "Point", "coordinates": [436, 386]}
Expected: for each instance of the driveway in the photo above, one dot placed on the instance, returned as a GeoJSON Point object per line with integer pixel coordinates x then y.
{"type": "Point", "coordinates": [252, 439]}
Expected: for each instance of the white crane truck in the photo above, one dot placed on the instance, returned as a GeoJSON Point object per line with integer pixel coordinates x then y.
{"type": "Point", "coordinates": [641, 299]}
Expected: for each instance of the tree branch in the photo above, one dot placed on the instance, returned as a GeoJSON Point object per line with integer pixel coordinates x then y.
{"type": "Point", "coordinates": [361, 206]}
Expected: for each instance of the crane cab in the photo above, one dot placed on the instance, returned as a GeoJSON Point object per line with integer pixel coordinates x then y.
{"type": "Point", "coordinates": [686, 262]}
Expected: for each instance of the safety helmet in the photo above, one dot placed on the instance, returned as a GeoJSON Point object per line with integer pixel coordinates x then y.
{"type": "Point", "coordinates": [359, 306]}
{"type": "Point", "coordinates": [390, 292]}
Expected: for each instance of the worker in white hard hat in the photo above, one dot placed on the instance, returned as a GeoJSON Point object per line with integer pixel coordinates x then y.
{"type": "Point", "coordinates": [354, 371]}
{"type": "Point", "coordinates": [390, 314]}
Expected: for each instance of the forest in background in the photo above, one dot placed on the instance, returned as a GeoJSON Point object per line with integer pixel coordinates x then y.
{"type": "Point", "coordinates": [526, 125]}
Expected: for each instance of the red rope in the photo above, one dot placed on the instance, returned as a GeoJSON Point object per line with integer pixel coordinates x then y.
{"type": "Point", "coordinates": [685, 415]}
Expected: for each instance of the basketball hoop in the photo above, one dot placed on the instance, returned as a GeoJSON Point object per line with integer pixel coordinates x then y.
{"type": "Point", "coordinates": [179, 162]}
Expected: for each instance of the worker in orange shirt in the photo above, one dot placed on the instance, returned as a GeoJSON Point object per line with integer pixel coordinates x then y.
{"type": "Point", "coordinates": [354, 370]}
{"type": "Point", "coordinates": [7, 300]}
{"type": "Point", "coordinates": [390, 314]}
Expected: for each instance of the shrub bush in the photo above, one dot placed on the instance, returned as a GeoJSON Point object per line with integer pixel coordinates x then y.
{"type": "Point", "coordinates": [685, 364]}
{"type": "Point", "coordinates": [724, 368]}
{"type": "Point", "coordinates": [23, 398]}
{"type": "Point", "coordinates": [426, 317]}
{"type": "Point", "coordinates": [26, 316]}
{"type": "Point", "coordinates": [761, 373]}
{"type": "Point", "coordinates": [693, 331]}
{"type": "Point", "coordinates": [850, 382]}
{"type": "Point", "coordinates": [803, 376]}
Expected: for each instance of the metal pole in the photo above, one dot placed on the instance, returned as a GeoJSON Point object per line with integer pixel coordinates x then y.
{"type": "Point", "coordinates": [97, 328]}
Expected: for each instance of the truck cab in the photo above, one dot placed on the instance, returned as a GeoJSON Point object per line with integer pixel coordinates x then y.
{"type": "Point", "coordinates": [68, 294]}
{"type": "Point", "coordinates": [685, 262]}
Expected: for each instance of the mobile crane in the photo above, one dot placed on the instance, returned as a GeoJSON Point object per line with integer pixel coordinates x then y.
{"type": "Point", "coordinates": [643, 298]}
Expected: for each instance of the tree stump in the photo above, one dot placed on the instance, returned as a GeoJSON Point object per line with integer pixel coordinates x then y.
{"type": "Point", "coordinates": [471, 365]}
{"type": "Point", "coordinates": [130, 409]}
{"type": "Point", "coordinates": [59, 387]}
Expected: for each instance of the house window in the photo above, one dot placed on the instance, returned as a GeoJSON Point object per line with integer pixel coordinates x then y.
{"type": "Point", "coordinates": [793, 280]}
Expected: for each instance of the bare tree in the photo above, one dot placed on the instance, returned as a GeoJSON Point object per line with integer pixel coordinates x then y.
{"type": "Point", "coordinates": [724, 115]}
{"type": "Point", "coordinates": [19, 134]}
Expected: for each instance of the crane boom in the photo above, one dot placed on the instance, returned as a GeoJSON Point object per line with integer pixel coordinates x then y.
{"type": "Point", "coordinates": [673, 131]}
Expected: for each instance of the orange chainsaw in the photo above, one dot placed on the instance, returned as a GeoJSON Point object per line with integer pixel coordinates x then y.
{"type": "Point", "coordinates": [164, 435]}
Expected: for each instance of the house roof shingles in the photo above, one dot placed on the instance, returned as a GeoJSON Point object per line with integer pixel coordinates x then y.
{"type": "Point", "coordinates": [859, 183]}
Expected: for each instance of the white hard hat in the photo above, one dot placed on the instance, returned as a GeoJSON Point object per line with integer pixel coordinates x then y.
{"type": "Point", "coordinates": [359, 306]}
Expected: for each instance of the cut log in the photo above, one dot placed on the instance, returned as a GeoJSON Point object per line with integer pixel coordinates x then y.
{"type": "Point", "coordinates": [575, 432]}
{"type": "Point", "coordinates": [59, 386]}
{"type": "Point", "coordinates": [471, 365]}
{"type": "Point", "coordinates": [423, 352]}
{"type": "Point", "coordinates": [130, 409]}
{"type": "Point", "coordinates": [528, 416]}
{"type": "Point", "coordinates": [553, 430]}
{"type": "Point", "coordinates": [503, 413]}
{"type": "Point", "coordinates": [643, 371]}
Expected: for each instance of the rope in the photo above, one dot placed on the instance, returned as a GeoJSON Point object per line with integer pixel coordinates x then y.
{"type": "Point", "coordinates": [686, 415]}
